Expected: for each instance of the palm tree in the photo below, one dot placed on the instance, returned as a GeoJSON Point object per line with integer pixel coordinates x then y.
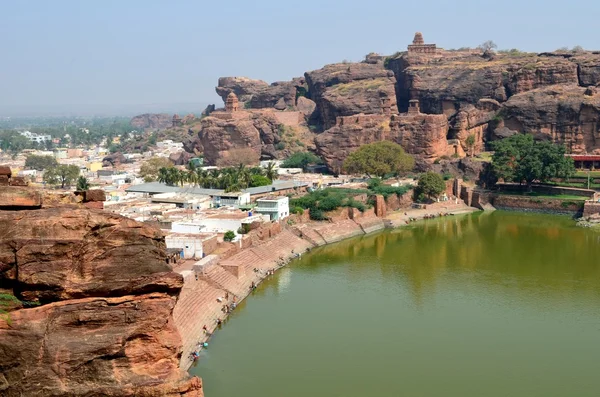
{"type": "Point", "coordinates": [163, 175]}
{"type": "Point", "coordinates": [270, 171]}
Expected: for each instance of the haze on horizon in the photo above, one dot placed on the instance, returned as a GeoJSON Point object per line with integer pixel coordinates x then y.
{"type": "Point", "coordinates": [129, 57]}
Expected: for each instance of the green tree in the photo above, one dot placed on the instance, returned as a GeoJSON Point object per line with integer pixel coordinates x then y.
{"type": "Point", "coordinates": [430, 185]}
{"type": "Point", "coordinates": [40, 163]}
{"type": "Point", "coordinates": [270, 171]}
{"type": "Point", "coordinates": [301, 160]}
{"type": "Point", "coordinates": [379, 159]}
{"type": "Point", "coordinates": [6, 301]}
{"type": "Point", "coordinates": [470, 142]}
{"type": "Point", "coordinates": [229, 236]}
{"type": "Point", "coordinates": [61, 174]}
{"type": "Point", "coordinates": [520, 158]}
{"type": "Point", "coordinates": [259, 180]}
{"type": "Point", "coordinates": [150, 167]}
{"type": "Point", "coordinates": [82, 184]}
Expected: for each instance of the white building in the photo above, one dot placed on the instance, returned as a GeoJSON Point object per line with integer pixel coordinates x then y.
{"type": "Point", "coordinates": [276, 207]}
{"type": "Point", "coordinates": [190, 244]}
{"type": "Point", "coordinates": [187, 227]}
{"type": "Point", "coordinates": [224, 223]}
{"type": "Point", "coordinates": [186, 201]}
{"type": "Point", "coordinates": [231, 199]}
{"type": "Point", "coordinates": [33, 137]}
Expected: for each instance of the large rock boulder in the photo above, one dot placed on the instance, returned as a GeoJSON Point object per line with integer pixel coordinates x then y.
{"type": "Point", "coordinates": [423, 135]}
{"type": "Point", "coordinates": [445, 82]}
{"type": "Point", "coordinates": [113, 160]}
{"type": "Point", "coordinates": [243, 87]}
{"type": "Point", "coordinates": [588, 68]}
{"type": "Point", "coordinates": [96, 317]}
{"type": "Point", "coordinates": [180, 158]}
{"type": "Point", "coordinates": [561, 113]}
{"type": "Point", "coordinates": [232, 141]}
{"type": "Point", "coordinates": [257, 94]}
{"type": "Point", "coordinates": [152, 121]}
{"type": "Point", "coordinates": [345, 89]}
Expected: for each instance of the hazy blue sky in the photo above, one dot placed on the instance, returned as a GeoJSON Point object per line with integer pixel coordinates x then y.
{"type": "Point", "coordinates": [128, 55]}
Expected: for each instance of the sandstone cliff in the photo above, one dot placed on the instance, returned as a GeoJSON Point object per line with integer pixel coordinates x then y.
{"type": "Point", "coordinates": [345, 89]}
{"type": "Point", "coordinates": [95, 317]}
{"type": "Point", "coordinates": [152, 121]}
{"type": "Point", "coordinates": [484, 95]}
{"type": "Point", "coordinates": [257, 94]}
{"type": "Point", "coordinates": [231, 138]}
{"type": "Point", "coordinates": [566, 114]}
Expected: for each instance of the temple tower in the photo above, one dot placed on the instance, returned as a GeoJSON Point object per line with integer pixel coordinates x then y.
{"type": "Point", "coordinates": [232, 103]}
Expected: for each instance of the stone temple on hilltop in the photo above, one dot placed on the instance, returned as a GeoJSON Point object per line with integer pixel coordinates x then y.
{"type": "Point", "coordinates": [418, 46]}
{"type": "Point", "coordinates": [176, 121]}
{"type": "Point", "coordinates": [232, 103]}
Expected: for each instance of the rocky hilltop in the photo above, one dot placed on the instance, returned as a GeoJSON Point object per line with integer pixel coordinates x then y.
{"type": "Point", "coordinates": [95, 302]}
{"type": "Point", "coordinates": [427, 99]}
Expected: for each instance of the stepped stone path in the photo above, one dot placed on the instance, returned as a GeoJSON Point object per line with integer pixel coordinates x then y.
{"type": "Point", "coordinates": [198, 303]}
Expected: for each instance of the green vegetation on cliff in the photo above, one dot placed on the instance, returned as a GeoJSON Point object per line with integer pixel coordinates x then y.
{"type": "Point", "coordinates": [520, 158]}
{"type": "Point", "coordinates": [379, 159]}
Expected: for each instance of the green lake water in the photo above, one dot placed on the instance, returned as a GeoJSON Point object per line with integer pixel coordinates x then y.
{"type": "Point", "coordinates": [499, 304]}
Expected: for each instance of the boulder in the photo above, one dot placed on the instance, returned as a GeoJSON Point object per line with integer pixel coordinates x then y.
{"type": "Point", "coordinates": [180, 158]}
{"type": "Point", "coordinates": [94, 195]}
{"type": "Point", "coordinates": [306, 106]}
{"type": "Point", "coordinates": [5, 170]}
{"type": "Point", "coordinates": [345, 89]}
{"type": "Point", "coordinates": [561, 113]}
{"type": "Point", "coordinates": [96, 317]}
{"type": "Point", "coordinates": [17, 198]}
{"type": "Point", "coordinates": [152, 121]}
{"type": "Point", "coordinates": [257, 94]}
{"type": "Point", "coordinates": [113, 160]}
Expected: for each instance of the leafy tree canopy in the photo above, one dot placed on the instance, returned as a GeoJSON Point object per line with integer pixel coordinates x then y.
{"type": "Point", "coordinates": [40, 163]}
{"type": "Point", "coordinates": [520, 158]}
{"type": "Point", "coordinates": [301, 160]}
{"type": "Point", "coordinates": [430, 185]}
{"type": "Point", "coordinates": [61, 174]}
{"type": "Point", "coordinates": [149, 169]}
{"type": "Point", "coordinates": [379, 159]}
{"type": "Point", "coordinates": [82, 184]}
{"type": "Point", "coordinates": [229, 236]}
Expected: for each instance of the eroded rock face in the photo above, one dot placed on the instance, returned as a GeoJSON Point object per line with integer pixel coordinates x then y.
{"type": "Point", "coordinates": [238, 140]}
{"type": "Point", "coordinates": [562, 113]}
{"type": "Point", "coordinates": [423, 135]}
{"type": "Point", "coordinates": [105, 323]}
{"type": "Point", "coordinates": [345, 89]}
{"type": "Point", "coordinates": [443, 83]}
{"type": "Point", "coordinates": [152, 121]}
{"type": "Point", "coordinates": [257, 94]}
{"type": "Point", "coordinates": [68, 253]}
{"type": "Point", "coordinates": [113, 160]}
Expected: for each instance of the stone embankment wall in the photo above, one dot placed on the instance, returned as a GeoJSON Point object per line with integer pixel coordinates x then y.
{"type": "Point", "coordinates": [535, 204]}
{"type": "Point", "coordinates": [591, 208]}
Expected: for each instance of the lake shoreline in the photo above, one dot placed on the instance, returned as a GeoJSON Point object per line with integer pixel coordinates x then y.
{"type": "Point", "coordinates": [204, 293]}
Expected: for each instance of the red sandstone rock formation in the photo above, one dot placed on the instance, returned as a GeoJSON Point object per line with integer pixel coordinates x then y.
{"type": "Point", "coordinates": [257, 94]}
{"type": "Point", "coordinates": [113, 160]}
{"type": "Point", "coordinates": [345, 89]}
{"type": "Point", "coordinates": [152, 121]}
{"type": "Point", "coordinates": [104, 326]}
{"type": "Point", "coordinates": [563, 114]}
{"type": "Point", "coordinates": [446, 81]}
{"type": "Point", "coordinates": [423, 135]}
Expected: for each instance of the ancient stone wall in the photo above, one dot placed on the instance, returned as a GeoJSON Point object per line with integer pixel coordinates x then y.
{"type": "Point", "coordinates": [535, 204]}
{"type": "Point", "coordinates": [591, 208]}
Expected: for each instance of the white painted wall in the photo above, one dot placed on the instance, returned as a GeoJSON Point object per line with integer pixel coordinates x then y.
{"type": "Point", "coordinates": [192, 247]}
